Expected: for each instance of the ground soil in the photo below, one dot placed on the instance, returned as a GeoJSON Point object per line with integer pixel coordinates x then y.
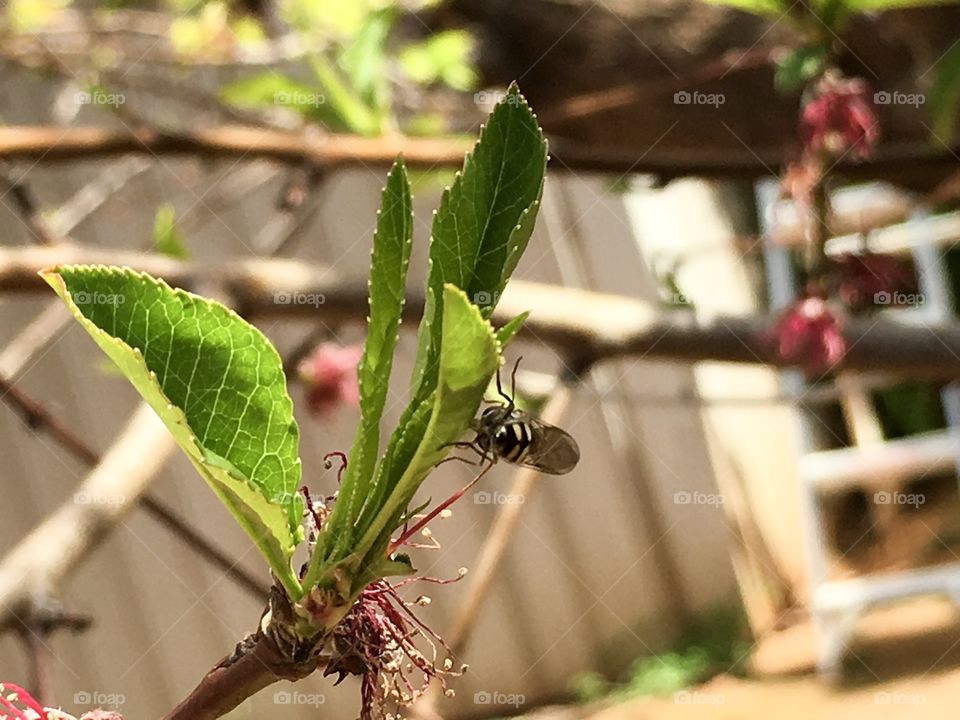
{"type": "Point", "coordinates": [905, 663]}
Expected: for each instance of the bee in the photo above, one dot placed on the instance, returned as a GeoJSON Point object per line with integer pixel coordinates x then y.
{"type": "Point", "coordinates": [504, 432]}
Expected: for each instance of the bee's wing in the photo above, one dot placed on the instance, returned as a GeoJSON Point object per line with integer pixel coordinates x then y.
{"type": "Point", "coordinates": [552, 450]}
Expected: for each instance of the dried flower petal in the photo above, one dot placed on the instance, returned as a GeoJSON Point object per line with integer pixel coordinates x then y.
{"type": "Point", "coordinates": [378, 640]}
{"type": "Point", "coordinates": [872, 279]}
{"type": "Point", "coordinates": [839, 117]}
{"type": "Point", "coordinates": [808, 334]}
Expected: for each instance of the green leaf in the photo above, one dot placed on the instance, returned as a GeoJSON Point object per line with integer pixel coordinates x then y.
{"type": "Point", "coordinates": [388, 271]}
{"type": "Point", "coordinates": [30, 16]}
{"type": "Point", "coordinates": [218, 385]}
{"type": "Point", "coordinates": [470, 356]}
{"type": "Point", "coordinates": [880, 5]}
{"type": "Point", "coordinates": [799, 66]}
{"type": "Point", "coordinates": [166, 238]}
{"type": "Point", "coordinates": [511, 328]}
{"type": "Point", "coordinates": [945, 96]}
{"type": "Point", "coordinates": [271, 89]}
{"type": "Point", "coordinates": [364, 60]}
{"type": "Point", "coordinates": [352, 113]}
{"type": "Point", "coordinates": [483, 224]}
{"type": "Point", "coordinates": [755, 7]}
{"type": "Point", "coordinates": [443, 57]}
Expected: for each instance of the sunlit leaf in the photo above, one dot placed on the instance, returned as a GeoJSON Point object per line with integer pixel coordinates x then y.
{"type": "Point", "coordinates": [483, 224]}
{"type": "Point", "coordinates": [218, 385]}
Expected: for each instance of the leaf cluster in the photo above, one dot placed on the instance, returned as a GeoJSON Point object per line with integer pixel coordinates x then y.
{"type": "Point", "coordinates": [218, 385]}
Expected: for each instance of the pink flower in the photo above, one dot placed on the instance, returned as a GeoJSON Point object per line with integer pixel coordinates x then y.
{"type": "Point", "coordinates": [839, 117]}
{"type": "Point", "coordinates": [808, 334]}
{"type": "Point", "coordinates": [395, 654]}
{"type": "Point", "coordinates": [17, 704]}
{"type": "Point", "coordinates": [330, 374]}
{"type": "Point", "coordinates": [872, 279]}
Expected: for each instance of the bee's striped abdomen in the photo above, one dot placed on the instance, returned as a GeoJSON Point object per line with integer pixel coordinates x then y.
{"type": "Point", "coordinates": [513, 441]}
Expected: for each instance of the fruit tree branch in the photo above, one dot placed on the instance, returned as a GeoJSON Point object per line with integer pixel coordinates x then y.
{"type": "Point", "coordinates": [586, 326]}
{"type": "Point", "coordinates": [323, 150]}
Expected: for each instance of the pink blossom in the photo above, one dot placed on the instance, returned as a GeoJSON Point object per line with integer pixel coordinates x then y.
{"type": "Point", "coordinates": [839, 117]}
{"type": "Point", "coordinates": [808, 334]}
{"type": "Point", "coordinates": [330, 376]}
{"type": "Point", "coordinates": [17, 704]}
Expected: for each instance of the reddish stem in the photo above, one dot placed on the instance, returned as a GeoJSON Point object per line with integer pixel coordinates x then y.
{"type": "Point", "coordinates": [233, 681]}
{"type": "Point", "coordinates": [408, 533]}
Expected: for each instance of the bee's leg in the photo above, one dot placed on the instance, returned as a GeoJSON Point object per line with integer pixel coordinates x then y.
{"type": "Point", "coordinates": [513, 378]}
{"type": "Point", "coordinates": [468, 461]}
{"type": "Point", "coordinates": [472, 445]}
{"type": "Point", "coordinates": [500, 391]}
{"type": "Point", "coordinates": [513, 385]}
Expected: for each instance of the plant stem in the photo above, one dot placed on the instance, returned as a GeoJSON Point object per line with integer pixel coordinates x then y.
{"type": "Point", "coordinates": [236, 678]}
{"type": "Point", "coordinates": [818, 231]}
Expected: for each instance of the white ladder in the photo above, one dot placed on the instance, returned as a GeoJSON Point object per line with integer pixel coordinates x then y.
{"type": "Point", "coordinates": [872, 463]}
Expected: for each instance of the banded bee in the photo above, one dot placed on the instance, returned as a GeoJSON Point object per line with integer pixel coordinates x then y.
{"type": "Point", "coordinates": [503, 432]}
